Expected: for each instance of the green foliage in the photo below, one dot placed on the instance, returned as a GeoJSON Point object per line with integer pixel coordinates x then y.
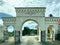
{"type": "Point", "coordinates": [28, 31]}
{"type": "Point", "coordinates": [11, 34]}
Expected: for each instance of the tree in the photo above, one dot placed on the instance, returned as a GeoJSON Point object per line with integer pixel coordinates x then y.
{"type": "Point", "coordinates": [26, 31]}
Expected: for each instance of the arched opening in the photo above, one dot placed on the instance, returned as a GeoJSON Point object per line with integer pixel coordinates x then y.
{"type": "Point", "coordinates": [10, 33]}
{"type": "Point", "coordinates": [10, 28]}
{"type": "Point", "coordinates": [30, 31]}
{"type": "Point", "coordinates": [50, 33]}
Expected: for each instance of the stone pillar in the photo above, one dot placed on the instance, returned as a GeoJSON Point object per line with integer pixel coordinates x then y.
{"type": "Point", "coordinates": [17, 36]}
{"type": "Point", "coordinates": [53, 35]}
{"type": "Point", "coordinates": [39, 35]}
{"type": "Point", "coordinates": [5, 33]}
{"type": "Point", "coordinates": [1, 33]}
{"type": "Point", "coordinates": [43, 36]}
{"type": "Point", "coordinates": [58, 33]}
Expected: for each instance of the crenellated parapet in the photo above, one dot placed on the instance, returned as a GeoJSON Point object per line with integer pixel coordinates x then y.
{"type": "Point", "coordinates": [51, 19]}
{"type": "Point", "coordinates": [30, 11]}
{"type": "Point", "coordinates": [9, 20]}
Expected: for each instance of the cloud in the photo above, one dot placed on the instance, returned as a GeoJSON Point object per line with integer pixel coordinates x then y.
{"type": "Point", "coordinates": [49, 4]}
{"type": "Point", "coordinates": [7, 8]}
{"type": "Point", "coordinates": [1, 2]}
{"type": "Point", "coordinates": [1, 22]}
{"type": "Point", "coordinates": [30, 24]}
{"type": "Point", "coordinates": [10, 29]}
{"type": "Point", "coordinates": [52, 6]}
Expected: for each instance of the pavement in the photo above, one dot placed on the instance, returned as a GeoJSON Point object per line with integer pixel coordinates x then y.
{"type": "Point", "coordinates": [30, 41]}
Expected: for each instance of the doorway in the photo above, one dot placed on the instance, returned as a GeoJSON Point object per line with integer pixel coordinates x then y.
{"type": "Point", "coordinates": [50, 33]}
{"type": "Point", "coordinates": [30, 31]}
{"type": "Point", "coordinates": [11, 33]}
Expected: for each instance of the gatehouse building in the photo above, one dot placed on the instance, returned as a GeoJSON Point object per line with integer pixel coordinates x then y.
{"type": "Point", "coordinates": [47, 26]}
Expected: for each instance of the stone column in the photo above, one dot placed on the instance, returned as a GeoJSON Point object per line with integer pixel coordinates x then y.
{"type": "Point", "coordinates": [39, 35]}
{"type": "Point", "coordinates": [17, 36]}
{"type": "Point", "coordinates": [5, 33]}
{"type": "Point", "coordinates": [1, 33]}
{"type": "Point", "coordinates": [46, 35]}
{"type": "Point", "coordinates": [43, 36]}
{"type": "Point", "coordinates": [58, 33]}
{"type": "Point", "coordinates": [53, 34]}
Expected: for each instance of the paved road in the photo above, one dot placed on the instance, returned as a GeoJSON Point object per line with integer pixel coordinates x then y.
{"type": "Point", "coordinates": [31, 41]}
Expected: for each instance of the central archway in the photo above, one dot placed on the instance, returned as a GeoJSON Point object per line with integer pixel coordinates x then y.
{"type": "Point", "coordinates": [30, 30]}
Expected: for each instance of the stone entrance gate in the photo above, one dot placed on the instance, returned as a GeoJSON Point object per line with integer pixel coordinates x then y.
{"type": "Point", "coordinates": [24, 14]}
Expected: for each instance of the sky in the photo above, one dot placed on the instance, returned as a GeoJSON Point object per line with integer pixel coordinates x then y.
{"type": "Point", "coordinates": [10, 28]}
{"type": "Point", "coordinates": [30, 25]}
{"type": "Point", "coordinates": [52, 6]}
{"type": "Point", "coordinates": [8, 6]}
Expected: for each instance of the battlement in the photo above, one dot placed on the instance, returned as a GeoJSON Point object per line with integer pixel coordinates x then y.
{"type": "Point", "coordinates": [30, 11]}
{"type": "Point", "coordinates": [9, 19]}
{"type": "Point", "coordinates": [51, 19]}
